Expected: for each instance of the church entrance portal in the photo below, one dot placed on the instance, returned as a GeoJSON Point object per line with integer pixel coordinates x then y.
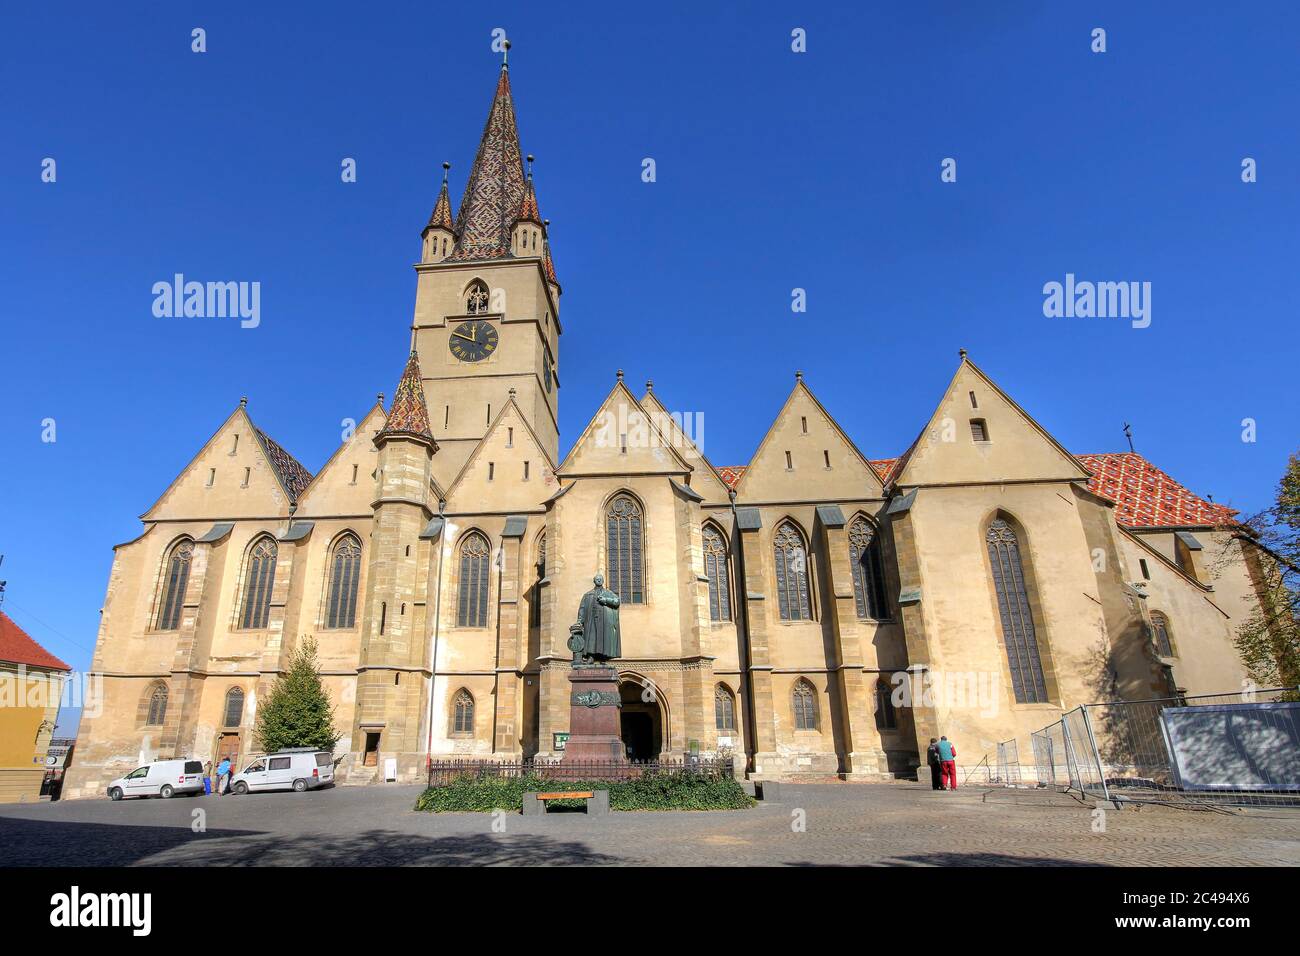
{"type": "Point", "coordinates": [640, 722]}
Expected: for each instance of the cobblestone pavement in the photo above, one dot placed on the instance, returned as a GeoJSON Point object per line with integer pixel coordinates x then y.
{"type": "Point", "coordinates": [901, 824]}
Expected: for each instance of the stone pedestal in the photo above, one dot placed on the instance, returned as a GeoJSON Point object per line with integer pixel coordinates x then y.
{"type": "Point", "coordinates": [594, 733]}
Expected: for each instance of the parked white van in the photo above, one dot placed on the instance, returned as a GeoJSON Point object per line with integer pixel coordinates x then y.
{"type": "Point", "coordinates": [164, 778]}
{"type": "Point", "coordinates": [299, 768]}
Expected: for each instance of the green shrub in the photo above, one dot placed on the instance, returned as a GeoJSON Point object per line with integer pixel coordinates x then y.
{"type": "Point", "coordinates": [651, 791]}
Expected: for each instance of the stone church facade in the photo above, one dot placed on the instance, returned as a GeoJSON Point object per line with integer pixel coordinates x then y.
{"type": "Point", "coordinates": [813, 613]}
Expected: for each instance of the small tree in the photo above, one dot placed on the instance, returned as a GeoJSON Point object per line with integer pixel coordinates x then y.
{"type": "Point", "coordinates": [1269, 639]}
{"type": "Point", "coordinates": [298, 712]}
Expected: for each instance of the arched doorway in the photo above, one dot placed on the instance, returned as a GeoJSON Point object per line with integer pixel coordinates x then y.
{"type": "Point", "coordinates": [641, 722]}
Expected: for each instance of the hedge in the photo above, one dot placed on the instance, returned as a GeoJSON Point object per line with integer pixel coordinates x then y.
{"type": "Point", "coordinates": [651, 791]}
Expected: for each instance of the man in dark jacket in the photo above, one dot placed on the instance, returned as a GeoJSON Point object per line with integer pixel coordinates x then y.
{"type": "Point", "coordinates": [932, 758]}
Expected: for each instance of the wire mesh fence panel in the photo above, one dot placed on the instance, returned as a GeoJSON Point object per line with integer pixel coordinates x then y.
{"type": "Point", "coordinates": [1009, 763]}
{"type": "Point", "coordinates": [1085, 766]}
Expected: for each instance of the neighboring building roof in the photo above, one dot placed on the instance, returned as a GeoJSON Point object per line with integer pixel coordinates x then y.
{"type": "Point", "coordinates": [293, 476]}
{"type": "Point", "coordinates": [17, 647]}
{"type": "Point", "coordinates": [884, 467]}
{"type": "Point", "coordinates": [494, 191]}
{"type": "Point", "coordinates": [1146, 497]}
{"type": "Point", "coordinates": [441, 216]}
{"type": "Point", "coordinates": [409, 415]}
{"type": "Point", "coordinates": [731, 474]}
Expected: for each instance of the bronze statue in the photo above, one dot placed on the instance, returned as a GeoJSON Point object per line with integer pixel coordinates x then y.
{"type": "Point", "coordinates": [594, 637]}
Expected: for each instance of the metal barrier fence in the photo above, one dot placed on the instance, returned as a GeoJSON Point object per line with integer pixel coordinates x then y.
{"type": "Point", "coordinates": [1207, 750]}
{"type": "Point", "coordinates": [1009, 763]}
{"type": "Point", "coordinates": [443, 772]}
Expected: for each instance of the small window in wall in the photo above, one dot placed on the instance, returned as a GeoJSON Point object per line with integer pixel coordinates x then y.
{"type": "Point", "coordinates": [826, 457]}
{"type": "Point", "coordinates": [1146, 571]}
{"type": "Point", "coordinates": [446, 416]}
{"type": "Point", "coordinates": [383, 616]}
{"type": "Point", "coordinates": [803, 424]}
{"type": "Point", "coordinates": [492, 470]}
{"type": "Point", "coordinates": [724, 710]}
{"type": "Point", "coordinates": [510, 438]}
{"type": "Point", "coordinates": [525, 471]}
{"type": "Point", "coordinates": [1160, 634]}
{"type": "Point", "coordinates": [248, 473]}
{"type": "Point", "coordinates": [489, 413]}
{"type": "Point", "coordinates": [234, 710]}
{"type": "Point", "coordinates": [462, 721]}
{"type": "Point", "coordinates": [979, 430]}
{"type": "Point", "coordinates": [789, 462]}
{"type": "Point", "coordinates": [212, 477]}
{"type": "Point", "coordinates": [235, 447]}
{"type": "Point", "coordinates": [973, 403]}
{"type": "Point", "coordinates": [804, 700]}
{"type": "Point", "coordinates": [354, 474]}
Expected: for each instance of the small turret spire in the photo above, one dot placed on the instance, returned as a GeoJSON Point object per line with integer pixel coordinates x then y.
{"type": "Point", "coordinates": [410, 415]}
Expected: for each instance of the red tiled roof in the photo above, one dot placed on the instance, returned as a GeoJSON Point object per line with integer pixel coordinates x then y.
{"type": "Point", "coordinates": [17, 647]}
{"type": "Point", "coordinates": [884, 466]}
{"type": "Point", "coordinates": [731, 473]}
{"type": "Point", "coordinates": [440, 218]}
{"type": "Point", "coordinates": [292, 474]}
{"type": "Point", "coordinates": [1146, 497]}
{"type": "Point", "coordinates": [495, 190]}
{"type": "Point", "coordinates": [410, 414]}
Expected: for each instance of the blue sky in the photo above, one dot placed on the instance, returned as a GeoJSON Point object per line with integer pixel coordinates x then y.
{"type": "Point", "coordinates": [775, 170]}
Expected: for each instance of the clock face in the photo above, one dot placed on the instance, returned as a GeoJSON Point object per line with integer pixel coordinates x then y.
{"type": "Point", "coordinates": [473, 341]}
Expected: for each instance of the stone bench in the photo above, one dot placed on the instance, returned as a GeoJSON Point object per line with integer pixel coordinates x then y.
{"type": "Point", "coordinates": [596, 801]}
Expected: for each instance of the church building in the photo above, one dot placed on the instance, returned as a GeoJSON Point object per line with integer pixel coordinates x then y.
{"type": "Point", "coordinates": [813, 614]}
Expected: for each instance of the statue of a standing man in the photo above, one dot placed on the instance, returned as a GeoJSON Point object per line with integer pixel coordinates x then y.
{"type": "Point", "coordinates": [595, 635]}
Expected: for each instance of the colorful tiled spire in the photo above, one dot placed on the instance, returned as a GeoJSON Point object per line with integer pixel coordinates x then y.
{"type": "Point", "coordinates": [495, 189]}
{"type": "Point", "coordinates": [547, 264]}
{"type": "Point", "coordinates": [410, 415]}
{"type": "Point", "coordinates": [441, 216]}
{"type": "Point", "coordinates": [528, 208]}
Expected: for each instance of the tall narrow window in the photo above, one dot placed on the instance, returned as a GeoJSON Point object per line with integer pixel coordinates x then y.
{"type": "Point", "coordinates": [724, 709]}
{"type": "Point", "coordinates": [791, 558]}
{"type": "Point", "coordinates": [345, 576]}
{"type": "Point", "coordinates": [1160, 633]}
{"type": "Point", "coordinates": [805, 705]}
{"type": "Point", "coordinates": [176, 579]}
{"type": "Point", "coordinates": [472, 597]}
{"type": "Point", "coordinates": [157, 706]}
{"type": "Point", "coordinates": [462, 720]}
{"type": "Point", "coordinates": [234, 712]}
{"type": "Point", "coordinates": [868, 570]}
{"type": "Point", "coordinates": [1018, 632]}
{"type": "Point", "coordinates": [535, 605]}
{"type": "Point", "coordinates": [258, 582]}
{"type": "Point", "coordinates": [476, 298]}
{"type": "Point", "coordinates": [624, 550]}
{"type": "Point", "coordinates": [715, 569]}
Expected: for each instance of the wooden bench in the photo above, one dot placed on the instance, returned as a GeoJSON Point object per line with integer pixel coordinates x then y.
{"type": "Point", "coordinates": [595, 801]}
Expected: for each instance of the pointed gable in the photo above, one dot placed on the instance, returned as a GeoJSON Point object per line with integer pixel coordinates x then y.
{"type": "Point", "coordinates": [705, 479]}
{"type": "Point", "coordinates": [987, 438]}
{"type": "Point", "coordinates": [791, 461]}
{"type": "Point", "coordinates": [493, 477]}
{"type": "Point", "coordinates": [600, 449]}
{"type": "Point", "coordinates": [239, 472]}
{"type": "Point", "coordinates": [494, 191]}
{"type": "Point", "coordinates": [346, 483]}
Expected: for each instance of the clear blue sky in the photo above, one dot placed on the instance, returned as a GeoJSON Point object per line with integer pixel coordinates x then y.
{"type": "Point", "coordinates": [776, 170]}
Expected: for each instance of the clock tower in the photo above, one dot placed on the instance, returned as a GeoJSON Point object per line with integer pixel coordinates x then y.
{"type": "Point", "coordinates": [487, 303]}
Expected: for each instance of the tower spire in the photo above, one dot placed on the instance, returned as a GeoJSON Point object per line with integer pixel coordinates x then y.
{"type": "Point", "coordinates": [409, 417]}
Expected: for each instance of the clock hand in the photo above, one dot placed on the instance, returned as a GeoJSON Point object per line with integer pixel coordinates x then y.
{"type": "Point", "coordinates": [460, 336]}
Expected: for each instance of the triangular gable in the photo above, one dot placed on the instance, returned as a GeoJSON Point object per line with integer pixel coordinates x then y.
{"type": "Point", "coordinates": [599, 449]}
{"type": "Point", "coordinates": [807, 432]}
{"type": "Point", "coordinates": [228, 478]}
{"type": "Point", "coordinates": [706, 480]}
{"type": "Point", "coordinates": [345, 485]}
{"type": "Point", "coordinates": [492, 478]}
{"type": "Point", "coordinates": [1017, 447]}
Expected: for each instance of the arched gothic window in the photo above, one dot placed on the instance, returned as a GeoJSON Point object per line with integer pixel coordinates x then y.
{"type": "Point", "coordinates": [1018, 632]}
{"type": "Point", "coordinates": [1160, 634]}
{"type": "Point", "coordinates": [625, 555]}
{"type": "Point", "coordinates": [868, 570]}
{"type": "Point", "coordinates": [175, 580]}
{"type": "Point", "coordinates": [476, 298]}
{"type": "Point", "coordinates": [715, 569]}
{"type": "Point", "coordinates": [157, 706]}
{"type": "Point", "coordinates": [258, 582]}
{"type": "Point", "coordinates": [345, 577]}
{"type": "Point", "coordinates": [724, 709]}
{"type": "Point", "coordinates": [791, 562]}
{"type": "Point", "coordinates": [804, 699]}
{"type": "Point", "coordinates": [234, 712]}
{"type": "Point", "coordinates": [462, 718]}
{"type": "Point", "coordinates": [472, 597]}
{"type": "Point", "coordinates": [886, 716]}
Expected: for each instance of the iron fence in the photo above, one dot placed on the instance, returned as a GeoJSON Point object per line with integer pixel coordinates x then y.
{"type": "Point", "coordinates": [1205, 750]}
{"type": "Point", "coordinates": [444, 772]}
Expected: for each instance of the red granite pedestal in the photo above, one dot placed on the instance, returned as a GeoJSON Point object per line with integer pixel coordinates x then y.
{"type": "Point", "coordinates": [594, 709]}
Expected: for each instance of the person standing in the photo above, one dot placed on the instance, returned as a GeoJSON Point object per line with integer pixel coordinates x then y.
{"type": "Point", "coordinates": [207, 777]}
{"type": "Point", "coordinates": [948, 763]}
{"type": "Point", "coordinates": [932, 758]}
{"type": "Point", "coordinates": [223, 775]}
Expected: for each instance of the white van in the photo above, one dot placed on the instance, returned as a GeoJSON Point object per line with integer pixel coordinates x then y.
{"type": "Point", "coordinates": [299, 768]}
{"type": "Point", "coordinates": [165, 779]}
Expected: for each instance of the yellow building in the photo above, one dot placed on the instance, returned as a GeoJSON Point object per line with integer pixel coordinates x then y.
{"type": "Point", "coordinates": [31, 684]}
{"type": "Point", "coordinates": [811, 612]}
